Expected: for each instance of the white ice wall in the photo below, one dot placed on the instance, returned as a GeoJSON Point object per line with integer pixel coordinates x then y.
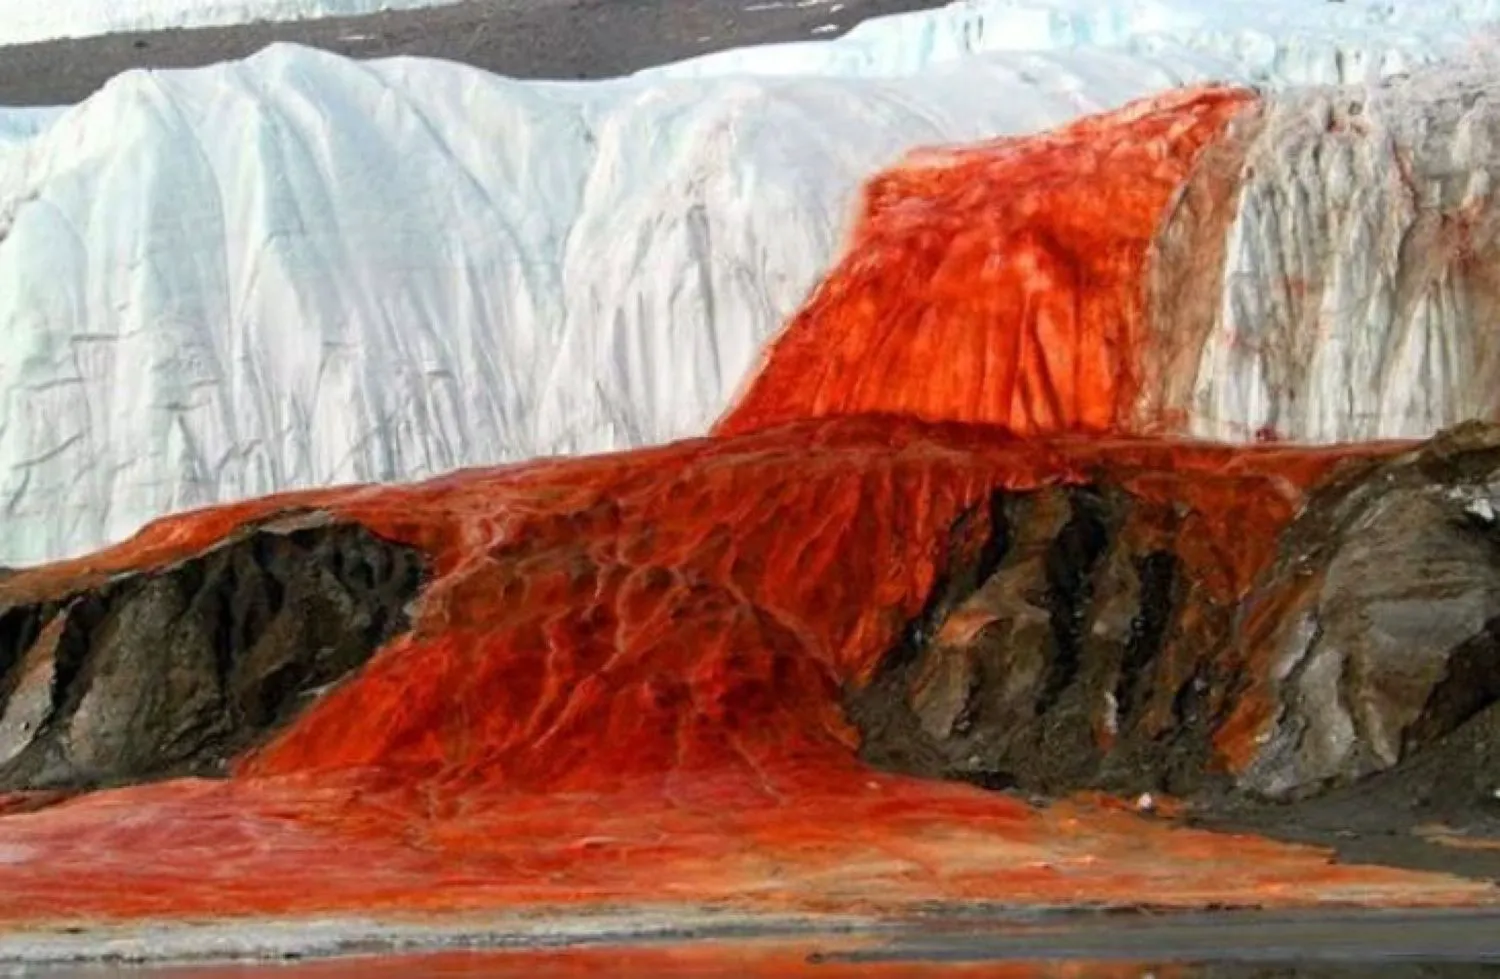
{"type": "Point", "coordinates": [1361, 287]}
{"type": "Point", "coordinates": [20, 124]}
{"type": "Point", "coordinates": [302, 270]}
{"type": "Point", "coordinates": [1269, 41]}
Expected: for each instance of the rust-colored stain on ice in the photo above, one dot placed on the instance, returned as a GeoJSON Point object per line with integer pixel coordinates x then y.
{"type": "Point", "coordinates": [624, 682]}
{"type": "Point", "coordinates": [1003, 283]}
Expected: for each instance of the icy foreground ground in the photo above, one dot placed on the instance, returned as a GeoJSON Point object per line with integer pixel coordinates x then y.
{"type": "Point", "coordinates": [302, 270]}
{"type": "Point", "coordinates": [28, 21]}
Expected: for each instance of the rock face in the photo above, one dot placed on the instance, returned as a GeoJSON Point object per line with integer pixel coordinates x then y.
{"type": "Point", "coordinates": [179, 669]}
{"type": "Point", "coordinates": [1122, 617]}
{"type": "Point", "coordinates": [696, 606]}
{"type": "Point", "coordinates": [1077, 660]}
{"type": "Point", "coordinates": [1382, 620]}
{"type": "Point", "coordinates": [1078, 652]}
{"type": "Point", "coordinates": [1101, 629]}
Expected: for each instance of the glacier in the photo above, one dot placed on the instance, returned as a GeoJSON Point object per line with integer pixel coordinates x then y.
{"type": "Point", "coordinates": [304, 270]}
{"type": "Point", "coordinates": [19, 124]}
{"type": "Point", "coordinates": [1356, 291]}
{"type": "Point", "coordinates": [32, 21]}
{"type": "Point", "coordinates": [1272, 42]}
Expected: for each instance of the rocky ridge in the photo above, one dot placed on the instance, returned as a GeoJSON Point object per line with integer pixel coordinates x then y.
{"type": "Point", "coordinates": [1102, 629]}
{"type": "Point", "coordinates": [180, 669]}
{"type": "Point", "coordinates": [1079, 651]}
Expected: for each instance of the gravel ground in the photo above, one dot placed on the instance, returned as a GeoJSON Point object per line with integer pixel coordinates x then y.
{"type": "Point", "coordinates": [1249, 944]}
{"type": "Point", "coordinates": [522, 38]}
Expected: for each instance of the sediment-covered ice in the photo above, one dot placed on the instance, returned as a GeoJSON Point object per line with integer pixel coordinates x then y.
{"type": "Point", "coordinates": [1318, 265]}
{"type": "Point", "coordinates": [1358, 276]}
{"type": "Point", "coordinates": [29, 21]}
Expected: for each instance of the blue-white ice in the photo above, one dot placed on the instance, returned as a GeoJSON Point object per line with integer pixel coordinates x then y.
{"type": "Point", "coordinates": [1270, 41]}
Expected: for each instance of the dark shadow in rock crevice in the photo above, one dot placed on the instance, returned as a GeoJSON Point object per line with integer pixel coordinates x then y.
{"type": "Point", "coordinates": [1048, 671]}
{"type": "Point", "coordinates": [977, 543]}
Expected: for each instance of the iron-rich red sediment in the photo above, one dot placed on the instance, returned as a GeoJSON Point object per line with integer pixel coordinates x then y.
{"type": "Point", "coordinates": [625, 682]}
{"type": "Point", "coordinates": [1003, 283]}
{"type": "Point", "coordinates": [687, 675]}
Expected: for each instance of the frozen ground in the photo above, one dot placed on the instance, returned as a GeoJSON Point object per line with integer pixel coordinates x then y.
{"type": "Point", "coordinates": [29, 21]}
{"type": "Point", "coordinates": [1328, 941]}
{"type": "Point", "coordinates": [303, 269]}
{"type": "Point", "coordinates": [320, 938]}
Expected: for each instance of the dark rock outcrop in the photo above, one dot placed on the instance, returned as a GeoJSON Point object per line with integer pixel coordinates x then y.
{"type": "Point", "coordinates": [176, 671]}
{"type": "Point", "coordinates": [1381, 617]}
{"type": "Point", "coordinates": [1068, 665]}
{"type": "Point", "coordinates": [1366, 659]}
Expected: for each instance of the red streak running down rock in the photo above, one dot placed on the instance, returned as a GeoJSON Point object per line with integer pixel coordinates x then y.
{"type": "Point", "coordinates": [625, 684]}
{"type": "Point", "coordinates": [1002, 283]}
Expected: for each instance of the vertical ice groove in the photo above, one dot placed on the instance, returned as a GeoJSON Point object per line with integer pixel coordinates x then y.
{"type": "Point", "coordinates": [1361, 267]}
